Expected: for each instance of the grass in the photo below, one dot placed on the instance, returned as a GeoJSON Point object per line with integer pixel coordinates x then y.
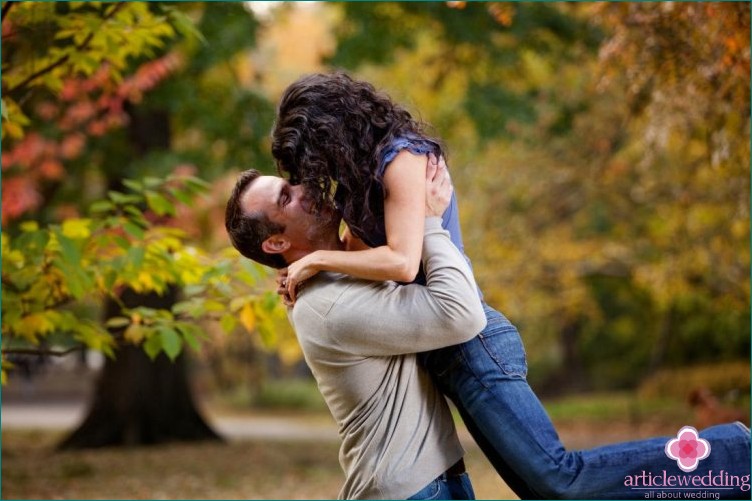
{"type": "Point", "coordinates": [284, 394]}
{"type": "Point", "coordinates": [236, 470]}
{"type": "Point", "coordinates": [618, 406]}
{"type": "Point", "coordinates": [258, 469]}
{"type": "Point", "coordinates": [285, 469]}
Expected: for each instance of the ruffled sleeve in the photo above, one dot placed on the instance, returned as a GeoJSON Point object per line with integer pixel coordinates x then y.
{"type": "Point", "coordinates": [416, 145]}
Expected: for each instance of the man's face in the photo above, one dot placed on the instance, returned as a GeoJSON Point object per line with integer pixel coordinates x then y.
{"type": "Point", "coordinates": [290, 206]}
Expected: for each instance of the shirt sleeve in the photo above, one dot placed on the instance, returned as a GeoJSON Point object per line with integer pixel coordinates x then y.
{"type": "Point", "coordinates": [384, 318]}
{"type": "Point", "coordinates": [415, 145]}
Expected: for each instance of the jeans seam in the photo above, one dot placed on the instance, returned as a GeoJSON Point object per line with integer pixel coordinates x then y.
{"type": "Point", "coordinates": [505, 367]}
{"type": "Point", "coordinates": [560, 464]}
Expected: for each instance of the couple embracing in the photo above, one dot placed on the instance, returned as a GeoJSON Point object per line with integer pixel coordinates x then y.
{"type": "Point", "coordinates": [391, 321]}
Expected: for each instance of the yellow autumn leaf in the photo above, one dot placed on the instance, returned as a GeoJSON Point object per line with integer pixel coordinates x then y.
{"type": "Point", "coordinates": [29, 226]}
{"type": "Point", "coordinates": [134, 333]}
{"type": "Point", "coordinates": [77, 228]}
{"type": "Point", "coordinates": [248, 317]}
{"type": "Point", "coordinates": [12, 129]}
{"type": "Point", "coordinates": [36, 323]}
{"type": "Point", "coordinates": [145, 281]}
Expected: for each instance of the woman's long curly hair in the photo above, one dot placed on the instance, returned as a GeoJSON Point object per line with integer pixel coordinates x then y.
{"type": "Point", "coordinates": [329, 136]}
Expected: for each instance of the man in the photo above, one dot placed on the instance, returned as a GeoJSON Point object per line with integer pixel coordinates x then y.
{"type": "Point", "coordinates": [359, 338]}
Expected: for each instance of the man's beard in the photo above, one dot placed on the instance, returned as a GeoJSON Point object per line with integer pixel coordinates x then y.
{"type": "Point", "coordinates": [326, 219]}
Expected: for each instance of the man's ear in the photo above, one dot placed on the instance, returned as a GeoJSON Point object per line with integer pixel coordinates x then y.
{"type": "Point", "coordinates": [275, 244]}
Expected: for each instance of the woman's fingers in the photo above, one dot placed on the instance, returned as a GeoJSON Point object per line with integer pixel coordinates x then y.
{"type": "Point", "coordinates": [431, 167]}
{"type": "Point", "coordinates": [292, 289]}
{"type": "Point", "coordinates": [282, 287]}
{"type": "Point", "coordinates": [442, 163]}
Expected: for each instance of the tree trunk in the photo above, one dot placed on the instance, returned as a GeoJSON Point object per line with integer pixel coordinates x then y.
{"type": "Point", "coordinates": [570, 378]}
{"type": "Point", "coordinates": [138, 401]}
{"type": "Point", "coordinates": [663, 343]}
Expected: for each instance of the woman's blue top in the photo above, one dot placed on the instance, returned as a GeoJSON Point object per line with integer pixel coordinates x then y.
{"type": "Point", "coordinates": [450, 218]}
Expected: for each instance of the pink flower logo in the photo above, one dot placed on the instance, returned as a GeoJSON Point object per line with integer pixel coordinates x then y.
{"type": "Point", "coordinates": [687, 449]}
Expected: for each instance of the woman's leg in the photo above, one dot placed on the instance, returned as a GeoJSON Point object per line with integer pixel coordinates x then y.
{"type": "Point", "coordinates": [486, 379]}
{"type": "Point", "coordinates": [505, 471]}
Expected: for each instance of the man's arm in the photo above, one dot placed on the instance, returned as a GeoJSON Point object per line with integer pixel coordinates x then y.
{"type": "Point", "coordinates": [383, 318]}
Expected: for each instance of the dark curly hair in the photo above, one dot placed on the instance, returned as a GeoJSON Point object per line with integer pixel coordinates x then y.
{"type": "Point", "coordinates": [329, 136]}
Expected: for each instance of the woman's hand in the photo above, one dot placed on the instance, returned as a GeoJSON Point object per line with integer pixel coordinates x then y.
{"type": "Point", "coordinates": [438, 186]}
{"type": "Point", "coordinates": [290, 280]}
{"type": "Point", "coordinates": [282, 287]}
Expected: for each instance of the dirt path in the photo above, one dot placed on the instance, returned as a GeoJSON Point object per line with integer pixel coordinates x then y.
{"type": "Point", "coordinates": [65, 416]}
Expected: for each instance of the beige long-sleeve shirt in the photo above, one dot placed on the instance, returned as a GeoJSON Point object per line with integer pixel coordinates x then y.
{"type": "Point", "coordinates": [360, 338]}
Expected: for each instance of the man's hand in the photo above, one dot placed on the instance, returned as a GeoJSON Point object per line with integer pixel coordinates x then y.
{"type": "Point", "coordinates": [438, 186]}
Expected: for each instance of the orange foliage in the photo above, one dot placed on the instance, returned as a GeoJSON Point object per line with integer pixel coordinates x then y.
{"type": "Point", "coordinates": [86, 107]}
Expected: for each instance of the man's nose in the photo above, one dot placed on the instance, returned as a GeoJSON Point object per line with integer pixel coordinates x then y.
{"type": "Point", "coordinates": [305, 202]}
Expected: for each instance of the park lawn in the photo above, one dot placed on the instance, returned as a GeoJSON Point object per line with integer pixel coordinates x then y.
{"type": "Point", "coordinates": [256, 469]}
{"type": "Point", "coordinates": [282, 469]}
{"type": "Point", "coordinates": [31, 469]}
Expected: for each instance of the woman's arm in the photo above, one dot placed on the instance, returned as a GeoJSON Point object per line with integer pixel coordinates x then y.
{"type": "Point", "coordinates": [404, 213]}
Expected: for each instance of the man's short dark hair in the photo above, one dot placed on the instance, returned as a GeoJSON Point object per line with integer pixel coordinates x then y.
{"type": "Point", "coordinates": [248, 231]}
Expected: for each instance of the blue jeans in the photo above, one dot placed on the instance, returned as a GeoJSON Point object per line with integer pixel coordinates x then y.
{"type": "Point", "coordinates": [447, 487]}
{"type": "Point", "coordinates": [486, 380]}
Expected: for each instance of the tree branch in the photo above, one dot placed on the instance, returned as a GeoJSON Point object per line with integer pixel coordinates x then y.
{"type": "Point", "coordinates": [39, 73]}
{"type": "Point", "coordinates": [40, 351]}
{"type": "Point", "coordinates": [82, 46]}
{"type": "Point", "coordinates": [6, 8]}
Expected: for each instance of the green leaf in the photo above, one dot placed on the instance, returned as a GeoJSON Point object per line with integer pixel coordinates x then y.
{"type": "Point", "coordinates": [184, 25]}
{"type": "Point", "coordinates": [190, 333]}
{"type": "Point", "coordinates": [136, 257]}
{"type": "Point", "coordinates": [110, 277]}
{"type": "Point", "coordinates": [117, 322]}
{"type": "Point", "coordinates": [122, 242]}
{"type": "Point", "coordinates": [159, 204]}
{"type": "Point", "coordinates": [152, 346]}
{"type": "Point", "coordinates": [101, 206]}
{"type": "Point", "coordinates": [134, 230]}
{"type": "Point", "coordinates": [77, 279]}
{"type": "Point", "coordinates": [213, 305]}
{"type": "Point", "coordinates": [93, 335]}
{"type": "Point", "coordinates": [31, 243]}
{"type": "Point", "coordinates": [122, 199]}
{"type": "Point", "coordinates": [270, 302]}
{"type": "Point", "coordinates": [196, 185]}
{"type": "Point", "coordinates": [152, 182]}
{"type": "Point", "coordinates": [228, 322]}
{"type": "Point", "coordinates": [186, 308]}
{"type": "Point", "coordinates": [133, 185]}
{"type": "Point", "coordinates": [70, 252]}
{"type": "Point", "coordinates": [171, 342]}
{"type": "Point", "coordinates": [182, 196]}
{"type": "Point", "coordinates": [194, 290]}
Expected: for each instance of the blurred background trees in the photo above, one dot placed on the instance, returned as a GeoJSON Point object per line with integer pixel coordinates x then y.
{"type": "Point", "coordinates": [104, 102]}
{"type": "Point", "coordinates": [600, 152]}
{"type": "Point", "coordinates": [603, 159]}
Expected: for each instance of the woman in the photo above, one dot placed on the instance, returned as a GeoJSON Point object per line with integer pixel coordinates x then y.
{"type": "Point", "coordinates": [341, 138]}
